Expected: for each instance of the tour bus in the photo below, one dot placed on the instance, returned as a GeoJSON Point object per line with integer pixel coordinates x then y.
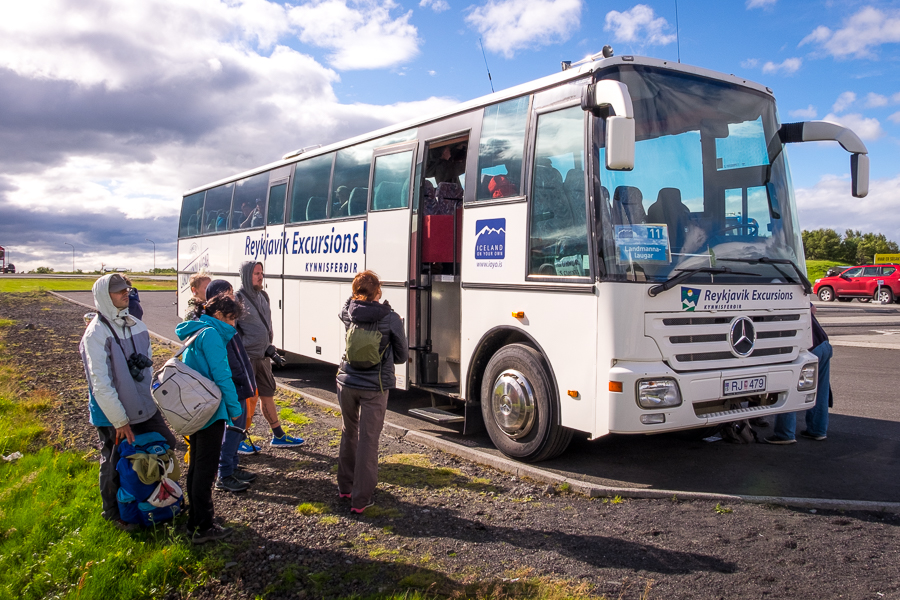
{"type": "Point", "coordinates": [613, 248]}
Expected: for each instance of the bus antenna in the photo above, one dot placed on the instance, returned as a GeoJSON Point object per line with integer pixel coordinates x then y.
{"type": "Point", "coordinates": [486, 65]}
{"type": "Point", "coordinates": [677, 37]}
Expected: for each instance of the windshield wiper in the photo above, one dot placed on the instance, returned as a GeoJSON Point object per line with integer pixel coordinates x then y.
{"type": "Point", "coordinates": [687, 273]}
{"type": "Point", "coordinates": [807, 286]}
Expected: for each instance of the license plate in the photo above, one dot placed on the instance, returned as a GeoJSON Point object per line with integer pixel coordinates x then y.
{"type": "Point", "coordinates": [745, 385]}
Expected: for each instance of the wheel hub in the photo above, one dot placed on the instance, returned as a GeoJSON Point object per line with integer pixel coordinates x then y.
{"type": "Point", "coordinates": [512, 404]}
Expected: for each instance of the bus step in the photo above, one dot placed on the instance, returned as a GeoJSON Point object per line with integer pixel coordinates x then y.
{"type": "Point", "coordinates": [437, 415]}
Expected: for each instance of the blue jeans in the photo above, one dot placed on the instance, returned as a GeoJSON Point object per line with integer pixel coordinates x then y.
{"type": "Point", "coordinates": [817, 416]}
{"type": "Point", "coordinates": [234, 435]}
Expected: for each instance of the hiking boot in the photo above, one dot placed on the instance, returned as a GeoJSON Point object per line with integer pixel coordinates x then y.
{"type": "Point", "coordinates": [778, 441]}
{"type": "Point", "coordinates": [810, 436]}
{"type": "Point", "coordinates": [213, 534]}
{"type": "Point", "coordinates": [244, 475]}
{"type": "Point", "coordinates": [286, 441]}
{"type": "Point", "coordinates": [248, 448]}
{"type": "Point", "coordinates": [359, 511]}
{"type": "Point", "coordinates": [231, 484]}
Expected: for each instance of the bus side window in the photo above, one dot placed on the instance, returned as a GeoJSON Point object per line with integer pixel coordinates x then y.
{"type": "Point", "coordinates": [191, 213]}
{"type": "Point", "coordinates": [249, 207]}
{"type": "Point", "coordinates": [311, 178]}
{"type": "Point", "coordinates": [216, 208]}
{"type": "Point", "coordinates": [559, 242]}
{"type": "Point", "coordinates": [276, 204]}
{"type": "Point", "coordinates": [501, 148]}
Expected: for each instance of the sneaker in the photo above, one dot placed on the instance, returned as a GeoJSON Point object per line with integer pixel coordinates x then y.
{"type": "Point", "coordinates": [231, 484]}
{"type": "Point", "coordinates": [778, 441]}
{"type": "Point", "coordinates": [244, 475]}
{"type": "Point", "coordinates": [247, 448]}
{"type": "Point", "coordinates": [360, 511]}
{"type": "Point", "coordinates": [286, 441]}
{"type": "Point", "coordinates": [343, 496]}
{"type": "Point", "coordinates": [810, 436]}
{"type": "Point", "coordinates": [213, 534]}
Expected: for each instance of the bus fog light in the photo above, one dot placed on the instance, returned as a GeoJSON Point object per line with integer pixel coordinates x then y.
{"type": "Point", "coordinates": [658, 393]}
{"type": "Point", "coordinates": [808, 376]}
{"type": "Point", "coordinates": [810, 398]}
{"type": "Point", "coordinates": [653, 418]}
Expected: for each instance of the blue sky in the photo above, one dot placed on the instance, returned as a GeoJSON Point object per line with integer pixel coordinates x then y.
{"type": "Point", "coordinates": [112, 110]}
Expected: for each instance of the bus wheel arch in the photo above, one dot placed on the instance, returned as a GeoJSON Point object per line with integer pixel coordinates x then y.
{"type": "Point", "coordinates": [519, 402]}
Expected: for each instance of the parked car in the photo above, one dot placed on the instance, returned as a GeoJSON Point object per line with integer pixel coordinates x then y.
{"type": "Point", "coordinates": [861, 283]}
{"type": "Point", "coordinates": [10, 268]}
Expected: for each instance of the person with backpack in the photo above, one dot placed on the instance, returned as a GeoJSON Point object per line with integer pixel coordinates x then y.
{"type": "Point", "coordinates": [255, 326]}
{"type": "Point", "coordinates": [376, 341]}
{"type": "Point", "coordinates": [207, 355]}
{"type": "Point", "coordinates": [115, 350]}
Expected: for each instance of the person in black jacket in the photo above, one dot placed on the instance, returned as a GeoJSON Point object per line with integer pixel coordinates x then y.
{"type": "Point", "coordinates": [363, 392]}
{"type": "Point", "coordinates": [232, 478]}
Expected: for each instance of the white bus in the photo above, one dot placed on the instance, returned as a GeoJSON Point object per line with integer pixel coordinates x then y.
{"type": "Point", "coordinates": [612, 248]}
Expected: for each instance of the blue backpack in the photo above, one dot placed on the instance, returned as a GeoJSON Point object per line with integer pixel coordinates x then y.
{"type": "Point", "coordinates": [147, 503]}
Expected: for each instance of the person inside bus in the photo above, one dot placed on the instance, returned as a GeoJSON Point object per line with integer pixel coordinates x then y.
{"type": "Point", "coordinates": [363, 390]}
{"type": "Point", "coordinates": [253, 215]}
{"type": "Point", "coordinates": [448, 167]}
{"type": "Point", "coordinates": [340, 206]}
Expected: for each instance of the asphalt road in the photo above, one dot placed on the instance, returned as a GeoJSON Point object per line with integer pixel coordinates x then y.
{"type": "Point", "coordinates": [859, 460]}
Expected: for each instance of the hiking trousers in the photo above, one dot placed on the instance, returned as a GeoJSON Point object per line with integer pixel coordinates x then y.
{"type": "Point", "coordinates": [206, 447]}
{"type": "Point", "coordinates": [109, 458]}
{"type": "Point", "coordinates": [362, 416]}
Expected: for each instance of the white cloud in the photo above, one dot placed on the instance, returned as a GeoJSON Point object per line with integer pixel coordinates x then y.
{"type": "Point", "coordinates": [843, 102]}
{"type": "Point", "coordinates": [895, 98]}
{"type": "Point", "coordinates": [361, 33]}
{"type": "Point", "coordinates": [829, 204]}
{"type": "Point", "coordinates": [110, 111]}
{"type": "Point", "coordinates": [874, 100]}
{"type": "Point", "coordinates": [866, 129]}
{"type": "Point", "coordinates": [895, 118]}
{"type": "Point", "coordinates": [760, 3]}
{"type": "Point", "coordinates": [809, 112]}
{"type": "Point", "coordinates": [639, 25]}
{"type": "Point", "coordinates": [788, 66]}
{"type": "Point", "coordinates": [750, 63]}
{"type": "Point", "coordinates": [436, 5]}
{"type": "Point", "coordinates": [861, 34]}
{"type": "Point", "coordinates": [511, 25]}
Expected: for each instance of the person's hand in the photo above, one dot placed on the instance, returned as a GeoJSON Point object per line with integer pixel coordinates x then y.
{"type": "Point", "coordinates": [124, 433]}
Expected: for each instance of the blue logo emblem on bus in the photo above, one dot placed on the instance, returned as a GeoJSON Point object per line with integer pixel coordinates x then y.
{"type": "Point", "coordinates": [689, 297]}
{"type": "Point", "coordinates": [490, 239]}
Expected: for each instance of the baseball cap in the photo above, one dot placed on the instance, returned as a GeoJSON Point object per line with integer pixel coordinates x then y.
{"type": "Point", "coordinates": [117, 283]}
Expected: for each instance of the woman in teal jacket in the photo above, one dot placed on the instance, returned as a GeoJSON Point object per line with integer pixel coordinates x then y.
{"type": "Point", "coordinates": [208, 356]}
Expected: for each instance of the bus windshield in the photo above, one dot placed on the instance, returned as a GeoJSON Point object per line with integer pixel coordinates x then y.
{"type": "Point", "coordinates": [710, 183]}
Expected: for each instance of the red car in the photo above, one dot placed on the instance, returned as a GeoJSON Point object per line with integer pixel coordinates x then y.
{"type": "Point", "coordinates": [861, 283]}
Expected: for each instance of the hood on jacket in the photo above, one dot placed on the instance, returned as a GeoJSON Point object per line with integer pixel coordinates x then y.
{"type": "Point", "coordinates": [105, 305]}
{"type": "Point", "coordinates": [368, 311]}
{"type": "Point", "coordinates": [188, 328]}
{"type": "Point", "coordinates": [247, 278]}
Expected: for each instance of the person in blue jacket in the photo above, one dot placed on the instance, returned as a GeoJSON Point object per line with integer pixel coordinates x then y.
{"type": "Point", "coordinates": [207, 355]}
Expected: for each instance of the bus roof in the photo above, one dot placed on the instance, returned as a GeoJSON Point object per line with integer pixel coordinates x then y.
{"type": "Point", "coordinates": [576, 72]}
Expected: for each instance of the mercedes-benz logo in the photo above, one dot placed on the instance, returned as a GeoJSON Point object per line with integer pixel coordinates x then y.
{"type": "Point", "coordinates": [743, 337]}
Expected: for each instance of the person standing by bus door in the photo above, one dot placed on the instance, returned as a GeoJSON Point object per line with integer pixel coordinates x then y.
{"type": "Point", "coordinates": [255, 327]}
{"type": "Point", "coordinates": [363, 392]}
{"type": "Point", "coordinates": [817, 416]}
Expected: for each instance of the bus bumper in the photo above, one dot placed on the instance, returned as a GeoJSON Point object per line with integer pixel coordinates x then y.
{"type": "Point", "coordinates": [703, 402]}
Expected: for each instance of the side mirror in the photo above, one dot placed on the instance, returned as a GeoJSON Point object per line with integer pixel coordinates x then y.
{"type": "Point", "coordinates": [613, 98]}
{"type": "Point", "coordinates": [824, 131]}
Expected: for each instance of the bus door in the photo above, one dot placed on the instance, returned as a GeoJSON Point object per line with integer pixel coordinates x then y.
{"type": "Point", "coordinates": [388, 236]}
{"type": "Point", "coordinates": [274, 250]}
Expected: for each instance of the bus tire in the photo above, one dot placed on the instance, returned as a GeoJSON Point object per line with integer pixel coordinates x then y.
{"type": "Point", "coordinates": [521, 413]}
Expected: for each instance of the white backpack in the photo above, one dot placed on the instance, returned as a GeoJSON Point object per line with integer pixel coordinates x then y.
{"type": "Point", "coordinates": [186, 398]}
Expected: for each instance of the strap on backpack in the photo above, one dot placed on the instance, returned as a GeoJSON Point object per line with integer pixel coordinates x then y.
{"type": "Point", "coordinates": [189, 341]}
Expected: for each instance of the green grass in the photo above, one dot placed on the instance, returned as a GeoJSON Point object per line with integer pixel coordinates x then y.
{"type": "Point", "coordinates": [312, 508]}
{"type": "Point", "coordinates": [28, 284]}
{"type": "Point", "coordinates": [815, 269]}
{"type": "Point", "coordinates": [53, 542]}
{"type": "Point", "coordinates": [293, 418]}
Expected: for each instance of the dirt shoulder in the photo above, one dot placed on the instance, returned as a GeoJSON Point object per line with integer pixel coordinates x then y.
{"type": "Point", "coordinates": [455, 528]}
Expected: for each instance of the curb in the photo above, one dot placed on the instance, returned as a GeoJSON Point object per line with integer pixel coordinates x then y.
{"type": "Point", "coordinates": [518, 469]}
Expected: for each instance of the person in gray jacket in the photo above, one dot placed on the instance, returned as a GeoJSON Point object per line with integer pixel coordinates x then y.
{"type": "Point", "coordinates": [115, 350]}
{"type": "Point", "coordinates": [255, 327]}
{"type": "Point", "coordinates": [363, 392]}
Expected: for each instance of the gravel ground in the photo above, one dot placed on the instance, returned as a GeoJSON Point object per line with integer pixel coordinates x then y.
{"type": "Point", "coordinates": [457, 529]}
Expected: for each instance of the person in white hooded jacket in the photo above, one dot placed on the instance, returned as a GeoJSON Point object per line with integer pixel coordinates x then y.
{"type": "Point", "coordinates": [121, 405]}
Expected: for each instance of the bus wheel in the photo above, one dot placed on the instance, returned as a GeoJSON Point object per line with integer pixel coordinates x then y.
{"type": "Point", "coordinates": [520, 411]}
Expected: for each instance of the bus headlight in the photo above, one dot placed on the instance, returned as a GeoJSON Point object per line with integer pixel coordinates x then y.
{"type": "Point", "coordinates": [808, 377]}
{"type": "Point", "coordinates": [658, 393]}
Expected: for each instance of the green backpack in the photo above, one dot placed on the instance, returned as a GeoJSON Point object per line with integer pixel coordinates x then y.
{"type": "Point", "coordinates": [363, 346]}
